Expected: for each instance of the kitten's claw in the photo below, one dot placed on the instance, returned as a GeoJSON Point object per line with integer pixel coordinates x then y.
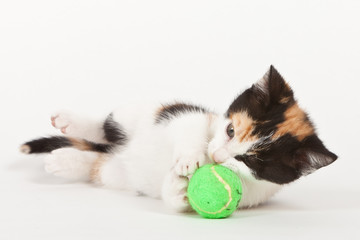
{"type": "Point", "coordinates": [187, 164]}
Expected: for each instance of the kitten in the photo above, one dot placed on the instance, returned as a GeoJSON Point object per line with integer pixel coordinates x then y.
{"type": "Point", "coordinates": [264, 136]}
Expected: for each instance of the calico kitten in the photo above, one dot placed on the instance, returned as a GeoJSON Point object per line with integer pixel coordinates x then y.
{"type": "Point", "coordinates": [264, 136]}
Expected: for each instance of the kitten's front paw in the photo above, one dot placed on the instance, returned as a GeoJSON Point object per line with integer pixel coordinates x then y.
{"type": "Point", "coordinates": [174, 192]}
{"type": "Point", "coordinates": [186, 165]}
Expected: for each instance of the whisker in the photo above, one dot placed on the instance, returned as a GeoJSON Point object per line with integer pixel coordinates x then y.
{"type": "Point", "coordinates": [258, 158]}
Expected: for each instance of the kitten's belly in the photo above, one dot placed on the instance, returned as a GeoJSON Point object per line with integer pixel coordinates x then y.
{"type": "Point", "coordinates": [147, 160]}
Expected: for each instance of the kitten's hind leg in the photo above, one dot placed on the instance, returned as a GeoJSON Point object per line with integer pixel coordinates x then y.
{"type": "Point", "coordinates": [116, 127]}
{"type": "Point", "coordinates": [74, 164]}
{"type": "Point", "coordinates": [71, 163]}
{"type": "Point", "coordinates": [77, 126]}
{"type": "Point", "coordinates": [106, 131]}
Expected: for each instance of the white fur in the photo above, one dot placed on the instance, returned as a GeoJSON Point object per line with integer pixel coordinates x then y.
{"type": "Point", "coordinates": [158, 158]}
{"type": "Point", "coordinates": [70, 163]}
{"type": "Point", "coordinates": [262, 84]}
{"type": "Point", "coordinates": [174, 192]}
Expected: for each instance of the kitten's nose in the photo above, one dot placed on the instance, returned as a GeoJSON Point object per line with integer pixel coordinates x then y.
{"type": "Point", "coordinates": [220, 155]}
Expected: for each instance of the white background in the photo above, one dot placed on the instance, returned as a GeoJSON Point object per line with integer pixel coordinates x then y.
{"type": "Point", "coordinates": [88, 56]}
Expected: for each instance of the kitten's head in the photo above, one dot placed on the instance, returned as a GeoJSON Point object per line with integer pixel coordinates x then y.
{"type": "Point", "coordinates": [265, 129]}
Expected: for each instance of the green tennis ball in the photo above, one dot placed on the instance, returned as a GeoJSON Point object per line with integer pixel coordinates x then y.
{"type": "Point", "coordinates": [214, 191]}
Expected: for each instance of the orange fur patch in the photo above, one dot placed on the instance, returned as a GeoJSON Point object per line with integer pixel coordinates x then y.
{"type": "Point", "coordinates": [211, 118]}
{"type": "Point", "coordinates": [80, 144]}
{"type": "Point", "coordinates": [96, 167]}
{"type": "Point", "coordinates": [295, 123]}
{"type": "Point", "coordinates": [159, 110]}
{"type": "Point", "coordinates": [285, 100]}
{"type": "Point", "coordinates": [243, 126]}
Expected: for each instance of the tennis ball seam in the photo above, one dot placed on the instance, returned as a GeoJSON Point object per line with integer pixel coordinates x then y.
{"type": "Point", "coordinates": [226, 186]}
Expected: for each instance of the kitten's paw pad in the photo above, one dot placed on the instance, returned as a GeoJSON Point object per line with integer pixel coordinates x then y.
{"type": "Point", "coordinates": [175, 193]}
{"type": "Point", "coordinates": [187, 164]}
{"type": "Point", "coordinates": [68, 163]}
{"type": "Point", "coordinates": [64, 121]}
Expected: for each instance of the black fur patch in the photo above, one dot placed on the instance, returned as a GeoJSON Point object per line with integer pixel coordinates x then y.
{"type": "Point", "coordinates": [99, 147]}
{"type": "Point", "coordinates": [113, 131]}
{"type": "Point", "coordinates": [170, 111]}
{"type": "Point", "coordinates": [286, 159]}
{"type": "Point", "coordinates": [274, 162]}
{"type": "Point", "coordinates": [45, 145]}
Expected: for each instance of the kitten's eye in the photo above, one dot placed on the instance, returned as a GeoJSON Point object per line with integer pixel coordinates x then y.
{"type": "Point", "coordinates": [230, 130]}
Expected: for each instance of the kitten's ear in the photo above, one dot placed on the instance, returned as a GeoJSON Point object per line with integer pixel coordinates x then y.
{"type": "Point", "coordinates": [313, 155]}
{"type": "Point", "coordinates": [273, 89]}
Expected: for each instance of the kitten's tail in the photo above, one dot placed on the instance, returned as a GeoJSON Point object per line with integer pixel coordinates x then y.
{"type": "Point", "coordinates": [48, 144]}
